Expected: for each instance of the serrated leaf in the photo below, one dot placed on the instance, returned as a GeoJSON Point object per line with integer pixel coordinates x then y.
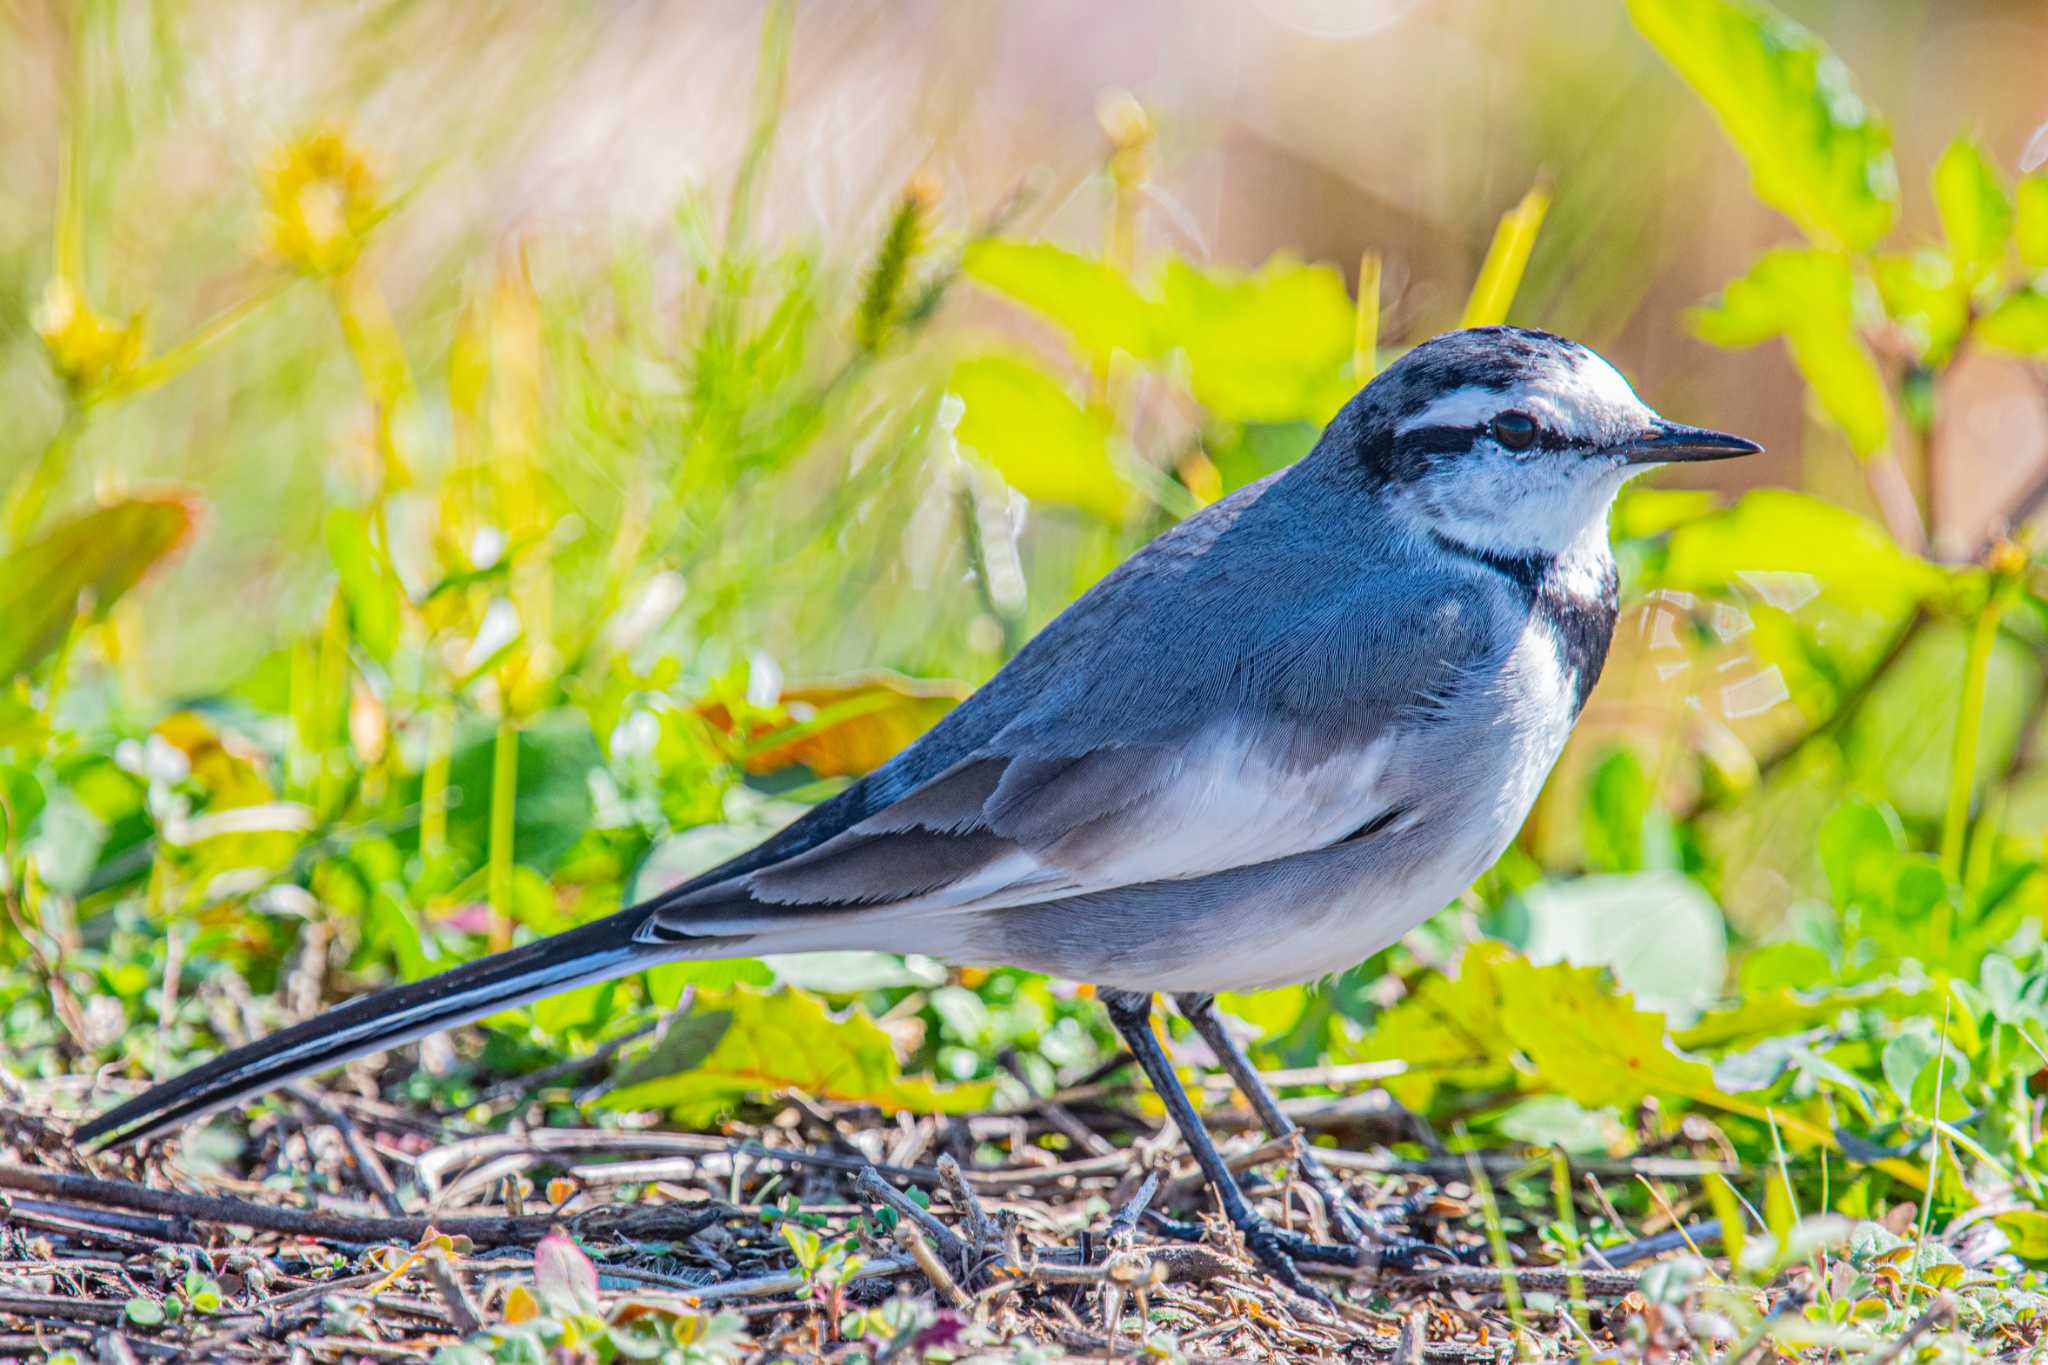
{"type": "Point", "coordinates": [1447, 1032]}
{"type": "Point", "coordinates": [1090, 300]}
{"type": "Point", "coordinates": [2017, 323]}
{"type": "Point", "coordinates": [85, 563]}
{"type": "Point", "coordinates": [1976, 217]}
{"type": "Point", "coordinates": [1047, 446]}
{"type": "Point", "coordinates": [1271, 346]}
{"type": "Point", "coordinates": [788, 1041]}
{"type": "Point", "coordinates": [1776, 532]}
{"type": "Point", "coordinates": [1808, 298]}
{"type": "Point", "coordinates": [1588, 1041]}
{"type": "Point", "coordinates": [1814, 151]}
{"type": "Point", "coordinates": [369, 588]}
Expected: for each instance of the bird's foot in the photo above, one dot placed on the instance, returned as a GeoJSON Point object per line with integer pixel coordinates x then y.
{"type": "Point", "coordinates": [1278, 1251]}
{"type": "Point", "coordinates": [1379, 1237]}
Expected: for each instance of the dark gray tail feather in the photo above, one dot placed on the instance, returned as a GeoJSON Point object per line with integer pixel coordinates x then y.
{"type": "Point", "coordinates": [593, 952]}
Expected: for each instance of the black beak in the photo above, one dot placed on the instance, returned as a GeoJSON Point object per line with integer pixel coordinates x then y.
{"type": "Point", "coordinates": [1670, 442]}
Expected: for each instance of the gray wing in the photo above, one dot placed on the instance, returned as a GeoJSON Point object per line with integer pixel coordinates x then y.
{"type": "Point", "coordinates": [1224, 698]}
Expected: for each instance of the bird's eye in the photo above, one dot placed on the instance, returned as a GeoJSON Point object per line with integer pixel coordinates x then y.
{"type": "Point", "coordinates": [1515, 430]}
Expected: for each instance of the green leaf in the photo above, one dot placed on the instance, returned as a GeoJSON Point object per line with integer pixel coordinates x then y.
{"type": "Point", "coordinates": [1090, 300]}
{"type": "Point", "coordinates": [1554, 1121]}
{"type": "Point", "coordinates": [1814, 151]}
{"type": "Point", "coordinates": [2018, 323]}
{"type": "Point", "coordinates": [2027, 1232]}
{"type": "Point", "coordinates": [369, 588]}
{"type": "Point", "coordinates": [1860, 846]}
{"type": "Point", "coordinates": [83, 564]}
{"type": "Point", "coordinates": [1774, 532]}
{"type": "Point", "coordinates": [1624, 829]}
{"type": "Point", "coordinates": [1575, 1035]}
{"type": "Point", "coordinates": [684, 1045]}
{"type": "Point", "coordinates": [1839, 369]}
{"type": "Point", "coordinates": [788, 1041]}
{"type": "Point", "coordinates": [1787, 963]}
{"type": "Point", "coordinates": [1658, 932]}
{"type": "Point", "coordinates": [1926, 295]}
{"type": "Point", "coordinates": [1643, 510]}
{"type": "Point", "coordinates": [1272, 346]}
{"type": "Point", "coordinates": [553, 806]}
{"type": "Point", "coordinates": [666, 983]}
{"type": "Point", "coordinates": [1049, 448]}
{"type": "Point", "coordinates": [1976, 217]}
{"type": "Point", "coordinates": [1761, 1014]}
{"type": "Point", "coordinates": [144, 1311]}
{"type": "Point", "coordinates": [2030, 220]}
{"type": "Point", "coordinates": [1808, 298]}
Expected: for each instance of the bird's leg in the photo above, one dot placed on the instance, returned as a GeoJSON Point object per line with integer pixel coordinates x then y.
{"type": "Point", "coordinates": [1131, 1012]}
{"type": "Point", "coordinates": [1352, 1220]}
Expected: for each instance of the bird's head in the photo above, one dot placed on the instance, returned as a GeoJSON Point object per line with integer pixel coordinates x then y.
{"type": "Point", "coordinates": [1511, 442]}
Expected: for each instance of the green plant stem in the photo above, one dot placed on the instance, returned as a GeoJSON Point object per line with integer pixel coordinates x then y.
{"type": "Point", "coordinates": [434, 787]}
{"type": "Point", "coordinates": [1568, 1220]}
{"type": "Point", "coordinates": [504, 793]}
{"type": "Point", "coordinates": [31, 492]}
{"type": "Point", "coordinates": [1497, 1242]}
{"type": "Point", "coordinates": [330, 711]}
{"type": "Point", "coordinates": [1962, 775]}
{"type": "Point", "coordinates": [771, 77]}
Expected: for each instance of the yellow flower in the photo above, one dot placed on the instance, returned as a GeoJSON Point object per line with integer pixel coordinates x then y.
{"type": "Point", "coordinates": [322, 198]}
{"type": "Point", "coordinates": [87, 350]}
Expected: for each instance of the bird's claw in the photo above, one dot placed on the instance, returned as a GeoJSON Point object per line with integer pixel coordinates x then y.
{"type": "Point", "coordinates": [1277, 1252]}
{"type": "Point", "coordinates": [1374, 1234]}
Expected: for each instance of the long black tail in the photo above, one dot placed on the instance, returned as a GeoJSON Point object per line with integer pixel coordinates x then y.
{"type": "Point", "coordinates": [592, 952]}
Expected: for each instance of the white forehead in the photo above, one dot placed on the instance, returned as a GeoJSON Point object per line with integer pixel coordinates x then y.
{"type": "Point", "coordinates": [1581, 398]}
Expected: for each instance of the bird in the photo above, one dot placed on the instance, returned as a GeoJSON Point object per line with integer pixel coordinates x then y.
{"type": "Point", "coordinates": [1276, 738]}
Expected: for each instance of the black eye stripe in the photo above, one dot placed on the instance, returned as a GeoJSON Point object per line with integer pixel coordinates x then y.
{"type": "Point", "coordinates": [1440, 440]}
{"type": "Point", "coordinates": [1428, 443]}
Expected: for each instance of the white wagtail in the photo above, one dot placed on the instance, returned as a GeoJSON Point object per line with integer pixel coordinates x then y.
{"type": "Point", "coordinates": [1270, 743]}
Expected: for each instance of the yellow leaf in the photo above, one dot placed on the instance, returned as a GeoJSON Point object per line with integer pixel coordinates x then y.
{"type": "Point", "coordinates": [1090, 300]}
{"type": "Point", "coordinates": [788, 1041]}
{"type": "Point", "coordinates": [839, 729]}
{"type": "Point", "coordinates": [83, 564]}
{"type": "Point", "coordinates": [521, 1305]}
{"type": "Point", "coordinates": [1272, 346]}
{"type": "Point", "coordinates": [1500, 275]}
{"type": "Point", "coordinates": [1044, 444]}
{"type": "Point", "coordinates": [1448, 1032]}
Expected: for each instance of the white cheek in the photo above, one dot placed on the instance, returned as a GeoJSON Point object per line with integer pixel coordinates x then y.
{"type": "Point", "coordinates": [1546, 505]}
